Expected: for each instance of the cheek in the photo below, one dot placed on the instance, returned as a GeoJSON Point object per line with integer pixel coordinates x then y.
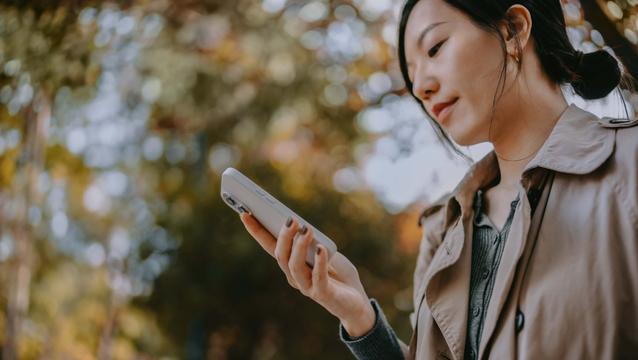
{"type": "Point", "coordinates": [477, 69]}
{"type": "Point", "coordinates": [475, 64]}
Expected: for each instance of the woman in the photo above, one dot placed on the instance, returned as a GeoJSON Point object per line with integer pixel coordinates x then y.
{"type": "Point", "coordinates": [535, 253]}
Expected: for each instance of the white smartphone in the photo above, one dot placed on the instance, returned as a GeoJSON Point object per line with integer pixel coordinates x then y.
{"type": "Point", "coordinates": [243, 195]}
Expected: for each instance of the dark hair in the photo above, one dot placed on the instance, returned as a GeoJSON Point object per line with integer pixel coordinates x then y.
{"type": "Point", "coordinates": [592, 75]}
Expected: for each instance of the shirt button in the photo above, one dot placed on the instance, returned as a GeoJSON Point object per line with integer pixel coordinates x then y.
{"type": "Point", "coordinates": [519, 321]}
{"type": "Point", "coordinates": [472, 354]}
{"type": "Point", "coordinates": [476, 312]}
{"type": "Point", "coordinates": [486, 274]}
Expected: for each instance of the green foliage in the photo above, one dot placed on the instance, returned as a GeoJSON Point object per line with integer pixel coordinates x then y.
{"type": "Point", "coordinates": [192, 80]}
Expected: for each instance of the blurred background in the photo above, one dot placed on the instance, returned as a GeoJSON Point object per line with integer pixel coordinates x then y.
{"type": "Point", "coordinates": [117, 119]}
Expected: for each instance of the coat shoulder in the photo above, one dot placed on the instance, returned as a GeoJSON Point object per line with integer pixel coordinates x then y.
{"type": "Point", "coordinates": [626, 147]}
{"type": "Point", "coordinates": [626, 164]}
{"type": "Point", "coordinates": [626, 141]}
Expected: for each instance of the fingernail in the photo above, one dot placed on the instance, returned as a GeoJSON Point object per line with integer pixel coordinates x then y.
{"type": "Point", "coordinates": [289, 222]}
{"type": "Point", "coordinates": [304, 230]}
{"type": "Point", "coordinates": [318, 250]}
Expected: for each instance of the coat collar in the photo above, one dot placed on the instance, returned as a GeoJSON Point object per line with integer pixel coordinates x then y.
{"type": "Point", "coordinates": [578, 144]}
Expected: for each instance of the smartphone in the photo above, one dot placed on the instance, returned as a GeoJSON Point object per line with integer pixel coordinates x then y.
{"type": "Point", "coordinates": [243, 195]}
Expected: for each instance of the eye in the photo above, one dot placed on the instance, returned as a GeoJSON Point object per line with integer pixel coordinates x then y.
{"type": "Point", "coordinates": [435, 49]}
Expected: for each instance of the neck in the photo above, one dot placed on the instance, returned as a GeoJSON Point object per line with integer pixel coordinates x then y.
{"type": "Point", "coordinates": [523, 134]}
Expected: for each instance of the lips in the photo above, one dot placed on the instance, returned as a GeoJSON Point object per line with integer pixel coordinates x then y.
{"type": "Point", "coordinates": [438, 108]}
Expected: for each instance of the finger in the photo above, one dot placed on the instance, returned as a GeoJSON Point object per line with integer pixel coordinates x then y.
{"type": "Point", "coordinates": [299, 270]}
{"type": "Point", "coordinates": [260, 233]}
{"type": "Point", "coordinates": [292, 282]}
{"type": "Point", "coordinates": [320, 271]}
{"type": "Point", "coordinates": [283, 248]}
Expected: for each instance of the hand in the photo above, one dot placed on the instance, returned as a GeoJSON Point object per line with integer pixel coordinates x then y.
{"type": "Point", "coordinates": [335, 285]}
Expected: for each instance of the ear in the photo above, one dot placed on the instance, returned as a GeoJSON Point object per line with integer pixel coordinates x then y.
{"type": "Point", "coordinates": [516, 29]}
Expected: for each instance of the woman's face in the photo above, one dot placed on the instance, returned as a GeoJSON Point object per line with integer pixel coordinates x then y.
{"type": "Point", "coordinates": [453, 61]}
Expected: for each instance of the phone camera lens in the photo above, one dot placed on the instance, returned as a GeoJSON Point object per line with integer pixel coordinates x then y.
{"type": "Point", "coordinates": [230, 200]}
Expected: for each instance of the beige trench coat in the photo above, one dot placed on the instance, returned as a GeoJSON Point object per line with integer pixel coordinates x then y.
{"type": "Point", "coordinates": [571, 292]}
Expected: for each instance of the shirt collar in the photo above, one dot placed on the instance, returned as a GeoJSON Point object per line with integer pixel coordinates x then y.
{"type": "Point", "coordinates": [576, 145]}
{"type": "Point", "coordinates": [480, 217]}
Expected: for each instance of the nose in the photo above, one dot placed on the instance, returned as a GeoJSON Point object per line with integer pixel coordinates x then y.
{"type": "Point", "coordinates": [424, 86]}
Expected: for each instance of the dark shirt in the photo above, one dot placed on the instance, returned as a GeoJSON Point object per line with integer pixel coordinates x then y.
{"type": "Point", "coordinates": [379, 343]}
{"type": "Point", "coordinates": [487, 248]}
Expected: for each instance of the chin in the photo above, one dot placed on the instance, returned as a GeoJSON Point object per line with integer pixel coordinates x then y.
{"type": "Point", "coordinates": [462, 138]}
{"type": "Point", "coordinates": [464, 134]}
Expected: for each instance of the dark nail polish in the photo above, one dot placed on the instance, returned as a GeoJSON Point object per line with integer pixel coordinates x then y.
{"type": "Point", "coordinates": [289, 222]}
{"type": "Point", "coordinates": [318, 251]}
{"type": "Point", "coordinates": [304, 230]}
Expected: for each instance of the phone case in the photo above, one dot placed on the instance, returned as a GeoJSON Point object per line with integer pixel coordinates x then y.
{"type": "Point", "coordinates": [242, 194]}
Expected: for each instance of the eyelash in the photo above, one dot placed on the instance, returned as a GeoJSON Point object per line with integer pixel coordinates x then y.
{"type": "Point", "coordinates": [435, 49]}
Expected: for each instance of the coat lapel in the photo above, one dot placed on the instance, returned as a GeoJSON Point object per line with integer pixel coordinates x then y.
{"type": "Point", "coordinates": [447, 280]}
{"type": "Point", "coordinates": [447, 283]}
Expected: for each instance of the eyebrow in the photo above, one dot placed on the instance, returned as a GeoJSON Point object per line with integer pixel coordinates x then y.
{"type": "Point", "coordinates": [424, 33]}
{"type": "Point", "coordinates": [426, 30]}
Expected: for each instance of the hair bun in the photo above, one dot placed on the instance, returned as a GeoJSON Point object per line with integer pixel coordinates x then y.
{"type": "Point", "coordinates": [598, 74]}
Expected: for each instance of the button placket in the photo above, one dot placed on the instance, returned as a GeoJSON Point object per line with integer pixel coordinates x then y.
{"type": "Point", "coordinates": [472, 354]}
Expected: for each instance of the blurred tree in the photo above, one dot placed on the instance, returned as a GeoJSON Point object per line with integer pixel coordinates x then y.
{"type": "Point", "coordinates": [39, 204]}
{"type": "Point", "coordinates": [28, 101]}
{"type": "Point", "coordinates": [617, 21]}
{"type": "Point", "coordinates": [232, 77]}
